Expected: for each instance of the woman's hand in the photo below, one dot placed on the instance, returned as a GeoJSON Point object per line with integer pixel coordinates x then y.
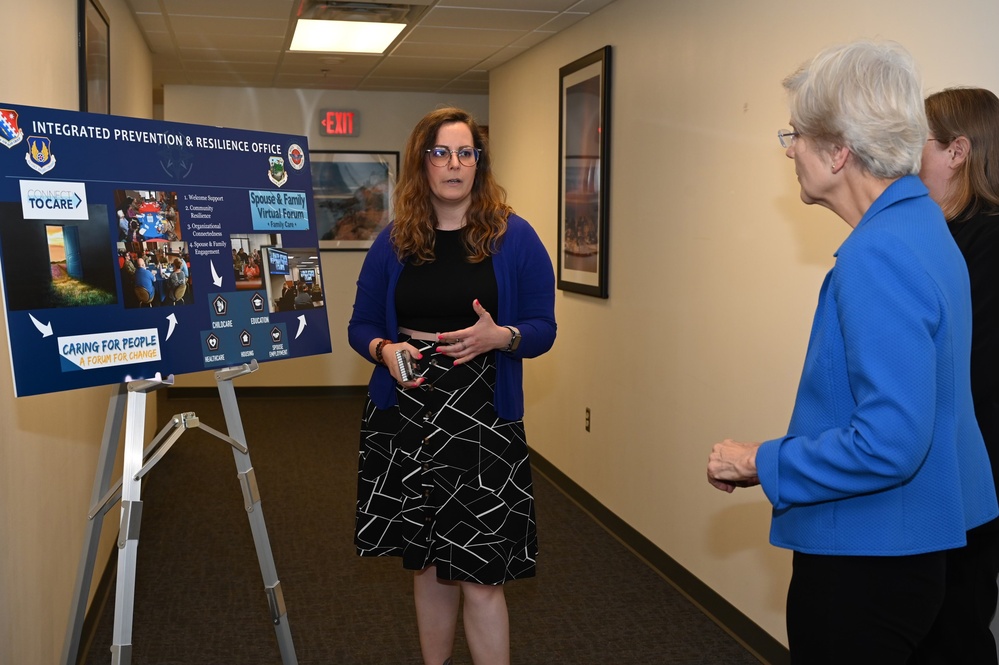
{"type": "Point", "coordinates": [484, 336]}
{"type": "Point", "coordinates": [389, 349]}
{"type": "Point", "coordinates": [732, 464]}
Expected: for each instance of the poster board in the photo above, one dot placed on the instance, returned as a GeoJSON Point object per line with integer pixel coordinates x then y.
{"type": "Point", "coordinates": [222, 219]}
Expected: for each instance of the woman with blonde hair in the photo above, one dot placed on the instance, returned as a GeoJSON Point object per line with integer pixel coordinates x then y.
{"type": "Point", "coordinates": [452, 296]}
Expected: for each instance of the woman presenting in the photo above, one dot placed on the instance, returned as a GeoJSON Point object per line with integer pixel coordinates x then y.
{"type": "Point", "coordinates": [464, 287]}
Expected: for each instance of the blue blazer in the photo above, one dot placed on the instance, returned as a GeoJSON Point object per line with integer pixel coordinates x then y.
{"type": "Point", "coordinates": [526, 285]}
{"type": "Point", "coordinates": [883, 455]}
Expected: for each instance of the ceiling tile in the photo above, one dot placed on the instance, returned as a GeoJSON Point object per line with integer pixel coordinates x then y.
{"type": "Point", "coordinates": [151, 22]}
{"type": "Point", "coordinates": [331, 82]}
{"type": "Point", "coordinates": [478, 37]}
{"type": "Point", "coordinates": [230, 55]}
{"type": "Point", "coordinates": [241, 68]}
{"type": "Point", "coordinates": [239, 80]}
{"type": "Point", "coordinates": [316, 69]}
{"type": "Point", "coordinates": [167, 64]}
{"type": "Point", "coordinates": [421, 67]}
{"type": "Point", "coordinates": [459, 88]}
{"type": "Point", "coordinates": [200, 40]}
{"type": "Point", "coordinates": [532, 5]}
{"type": "Point", "coordinates": [398, 85]}
{"type": "Point", "coordinates": [408, 80]}
{"type": "Point", "coordinates": [563, 21]}
{"type": "Point", "coordinates": [272, 9]}
{"type": "Point", "coordinates": [247, 28]}
{"type": "Point", "coordinates": [531, 39]}
{"type": "Point", "coordinates": [485, 18]}
{"type": "Point", "coordinates": [502, 56]}
{"type": "Point", "coordinates": [143, 6]}
{"type": "Point", "coordinates": [590, 6]}
{"type": "Point", "coordinates": [395, 2]}
{"type": "Point", "coordinates": [333, 58]}
{"type": "Point", "coordinates": [159, 42]}
{"type": "Point", "coordinates": [475, 75]}
{"type": "Point", "coordinates": [445, 50]}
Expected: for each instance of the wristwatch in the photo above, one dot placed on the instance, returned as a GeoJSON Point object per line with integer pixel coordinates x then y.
{"type": "Point", "coordinates": [514, 339]}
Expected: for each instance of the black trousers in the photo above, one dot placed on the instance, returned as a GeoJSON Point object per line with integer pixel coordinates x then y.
{"type": "Point", "coordinates": [862, 610]}
{"type": "Point", "coordinates": [961, 634]}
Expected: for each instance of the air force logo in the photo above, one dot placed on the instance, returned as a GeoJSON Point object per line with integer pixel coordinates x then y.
{"type": "Point", "coordinates": [10, 133]}
{"type": "Point", "coordinates": [39, 155]}
{"type": "Point", "coordinates": [277, 173]}
{"type": "Point", "coordinates": [296, 156]}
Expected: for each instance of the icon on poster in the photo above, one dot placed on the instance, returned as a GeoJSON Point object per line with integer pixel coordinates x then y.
{"type": "Point", "coordinates": [39, 155]}
{"type": "Point", "coordinates": [10, 133]}
{"type": "Point", "coordinates": [276, 173]}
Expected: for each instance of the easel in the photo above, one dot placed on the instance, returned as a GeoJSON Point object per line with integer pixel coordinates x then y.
{"type": "Point", "coordinates": [130, 399]}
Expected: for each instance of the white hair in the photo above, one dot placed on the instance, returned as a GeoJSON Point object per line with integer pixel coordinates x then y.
{"type": "Point", "coordinates": [866, 96]}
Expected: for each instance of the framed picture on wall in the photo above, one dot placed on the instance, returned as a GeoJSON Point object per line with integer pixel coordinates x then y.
{"type": "Point", "coordinates": [94, 40]}
{"type": "Point", "coordinates": [353, 194]}
{"type": "Point", "coordinates": [583, 176]}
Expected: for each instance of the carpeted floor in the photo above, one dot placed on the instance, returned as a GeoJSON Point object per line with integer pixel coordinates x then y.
{"type": "Point", "coordinates": [199, 595]}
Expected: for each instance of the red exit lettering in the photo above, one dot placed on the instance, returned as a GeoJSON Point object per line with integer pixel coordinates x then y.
{"type": "Point", "coordinates": [338, 123]}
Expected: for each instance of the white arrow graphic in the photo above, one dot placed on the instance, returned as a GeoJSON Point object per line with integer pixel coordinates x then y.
{"type": "Point", "coordinates": [45, 329]}
{"type": "Point", "coordinates": [216, 279]}
{"type": "Point", "coordinates": [173, 324]}
{"type": "Point", "coordinates": [301, 325]}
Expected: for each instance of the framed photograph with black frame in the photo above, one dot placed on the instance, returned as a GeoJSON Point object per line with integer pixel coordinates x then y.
{"type": "Point", "coordinates": [353, 194]}
{"type": "Point", "coordinates": [583, 176]}
{"type": "Point", "coordinates": [94, 41]}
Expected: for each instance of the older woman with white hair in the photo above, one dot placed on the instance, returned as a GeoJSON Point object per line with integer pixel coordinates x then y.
{"type": "Point", "coordinates": [883, 467]}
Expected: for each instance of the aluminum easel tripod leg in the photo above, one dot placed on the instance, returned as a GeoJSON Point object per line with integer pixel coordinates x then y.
{"type": "Point", "coordinates": [92, 534]}
{"type": "Point", "coordinates": [251, 500]}
{"type": "Point", "coordinates": [131, 517]}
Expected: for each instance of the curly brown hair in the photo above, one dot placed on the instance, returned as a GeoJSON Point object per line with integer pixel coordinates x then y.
{"type": "Point", "coordinates": [415, 219]}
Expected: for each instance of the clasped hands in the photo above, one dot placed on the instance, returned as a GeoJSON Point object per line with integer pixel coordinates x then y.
{"type": "Point", "coordinates": [732, 464]}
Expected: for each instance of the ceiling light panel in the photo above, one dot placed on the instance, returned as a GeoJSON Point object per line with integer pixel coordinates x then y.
{"type": "Point", "coordinates": [344, 36]}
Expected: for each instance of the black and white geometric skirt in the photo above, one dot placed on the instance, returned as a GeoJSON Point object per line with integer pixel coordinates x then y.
{"type": "Point", "coordinates": [443, 481]}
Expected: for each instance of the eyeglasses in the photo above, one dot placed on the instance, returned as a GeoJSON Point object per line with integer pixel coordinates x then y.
{"type": "Point", "coordinates": [787, 137]}
{"type": "Point", "coordinates": [441, 155]}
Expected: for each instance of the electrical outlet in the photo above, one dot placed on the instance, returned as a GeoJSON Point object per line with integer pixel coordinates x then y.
{"type": "Point", "coordinates": [587, 419]}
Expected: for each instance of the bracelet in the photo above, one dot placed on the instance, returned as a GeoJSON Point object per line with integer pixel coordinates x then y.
{"type": "Point", "coordinates": [514, 339]}
{"type": "Point", "coordinates": [378, 352]}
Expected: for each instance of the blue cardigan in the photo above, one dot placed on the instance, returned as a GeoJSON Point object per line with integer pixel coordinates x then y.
{"type": "Point", "coordinates": [883, 455]}
{"type": "Point", "coordinates": [526, 284]}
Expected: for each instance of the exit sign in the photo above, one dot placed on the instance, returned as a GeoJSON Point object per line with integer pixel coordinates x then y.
{"type": "Point", "coordinates": [338, 123]}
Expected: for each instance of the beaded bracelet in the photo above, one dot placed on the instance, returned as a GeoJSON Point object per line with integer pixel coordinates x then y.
{"type": "Point", "coordinates": [378, 351]}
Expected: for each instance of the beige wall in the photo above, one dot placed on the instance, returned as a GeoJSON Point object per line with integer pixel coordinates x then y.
{"type": "Point", "coordinates": [49, 444]}
{"type": "Point", "coordinates": [715, 264]}
{"type": "Point", "coordinates": [386, 119]}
